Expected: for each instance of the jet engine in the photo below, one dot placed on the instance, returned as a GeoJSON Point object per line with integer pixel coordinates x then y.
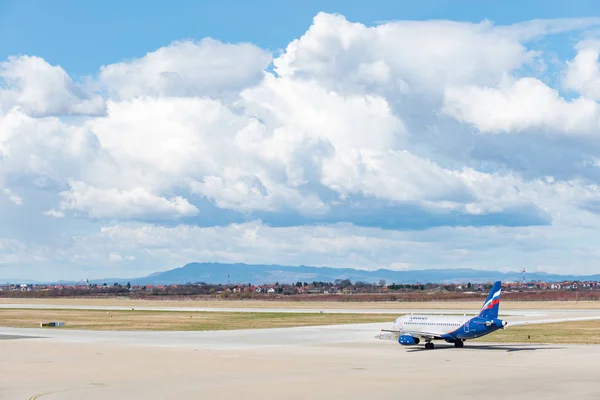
{"type": "Point", "coordinates": [497, 322]}
{"type": "Point", "coordinates": [408, 340]}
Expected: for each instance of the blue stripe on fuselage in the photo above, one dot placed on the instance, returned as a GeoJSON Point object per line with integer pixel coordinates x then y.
{"type": "Point", "coordinates": [473, 328]}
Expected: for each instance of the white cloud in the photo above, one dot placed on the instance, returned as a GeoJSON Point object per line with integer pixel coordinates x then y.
{"type": "Point", "coordinates": [204, 151]}
{"type": "Point", "coordinates": [151, 248]}
{"type": "Point", "coordinates": [54, 214]}
{"type": "Point", "coordinates": [112, 257]}
{"type": "Point", "coordinates": [306, 108]}
{"type": "Point", "coordinates": [186, 68]}
{"type": "Point", "coordinates": [12, 252]}
{"type": "Point", "coordinates": [399, 266]}
{"type": "Point", "coordinates": [43, 89]}
{"type": "Point", "coordinates": [354, 118]}
{"type": "Point", "coordinates": [583, 72]}
{"type": "Point", "coordinates": [392, 175]}
{"type": "Point", "coordinates": [538, 28]}
{"type": "Point", "coordinates": [287, 136]}
{"type": "Point", "coordinates": [44, 151]}
{"type": "Point", "coordinates": [238, 191]}
{"type": "Point", "coordinates": [403, 56]}
{"type": "Point", "coordinates": [13, 197]}
{"type": "Point", "coordinates": [168, 136]}
{"type": "Point", "coordinates": [524, 104]}
{"type": "Point", "coordinates": [113, 203]}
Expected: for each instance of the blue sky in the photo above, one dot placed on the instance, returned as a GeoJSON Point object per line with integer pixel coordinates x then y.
{"type": "Point", "coordinates": [139, 136]}
{"type": "Point", "coordinates": [83, 35]}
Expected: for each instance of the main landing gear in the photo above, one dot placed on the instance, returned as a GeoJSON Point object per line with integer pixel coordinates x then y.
{"type": "Point", "coordinates": [459, 343]}
{"type": "Point", "coordinates": [428, 346]}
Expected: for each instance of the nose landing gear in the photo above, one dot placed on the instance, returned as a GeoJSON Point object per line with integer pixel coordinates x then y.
{"type": "Point", "coordinates": [459, 343]}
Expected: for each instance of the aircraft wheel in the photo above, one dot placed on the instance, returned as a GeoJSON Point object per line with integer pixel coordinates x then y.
{"type": "Point", "coordinates": [459, 343]}
{"type": "Point", "coordinates": [429, 346]}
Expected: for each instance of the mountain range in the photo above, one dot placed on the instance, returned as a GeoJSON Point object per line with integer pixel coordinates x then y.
{"type": "Point", "coordinates": [261, 274]}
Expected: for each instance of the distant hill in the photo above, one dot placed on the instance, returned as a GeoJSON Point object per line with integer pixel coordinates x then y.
{"type": "Point", "coordinates": [260, 274]}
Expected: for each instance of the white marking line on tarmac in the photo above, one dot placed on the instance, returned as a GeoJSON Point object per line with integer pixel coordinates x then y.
{"type": "Point", "coordinates": [91, 386]}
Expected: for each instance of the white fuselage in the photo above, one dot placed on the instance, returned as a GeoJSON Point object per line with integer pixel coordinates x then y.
{"type": "Point", "coordinates": [437, 324]}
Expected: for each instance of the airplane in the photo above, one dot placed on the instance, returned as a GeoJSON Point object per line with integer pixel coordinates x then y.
{"type": "Point", "coordinates": [457, 329]}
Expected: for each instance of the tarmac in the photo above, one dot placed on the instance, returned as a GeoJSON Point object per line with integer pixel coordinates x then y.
{"type": "Point", "coordinates": [328, 362]}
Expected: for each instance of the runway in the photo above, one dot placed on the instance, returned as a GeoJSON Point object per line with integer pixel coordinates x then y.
{"type": "Point", "coordinates": [326, 362]}
{"type": "Point", "coordinates": [534, 313]}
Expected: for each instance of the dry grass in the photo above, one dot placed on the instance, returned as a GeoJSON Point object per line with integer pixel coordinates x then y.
{"type": "Point", "coordinates": [582, 332]}
{"type": "Point", "coordinates": [573, 332]}
{"type": "Point", "coordinates": [180, 321]}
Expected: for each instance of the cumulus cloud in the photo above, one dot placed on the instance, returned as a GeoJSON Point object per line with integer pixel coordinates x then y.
{"type": "Point", "coordinates": [583, 72]}
{"type": "Point", "coordinates": [204, 152]}
{"type": "Point", "coordinates": [525, 104]}
{"type": "Point", "coordinates": [187, 68]}
{"type": "Point", "coordinates": [45, 152]}
{"type": "Point", "coordinates": [114, 203]}
{"type": "Point", "coordinates": [405, 56]}
{"type": "Point", "coordinates": [388, 137]}
{"type": "Point", "coordinates": [41, 89]}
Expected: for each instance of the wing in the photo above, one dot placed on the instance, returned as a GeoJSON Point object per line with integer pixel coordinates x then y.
{"type": "Point", "coordinates": [419, 334]}
{"type": "Point", "coordinates": [550, 321]}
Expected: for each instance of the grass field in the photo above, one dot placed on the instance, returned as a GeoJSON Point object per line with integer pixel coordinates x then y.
{"type": "Point", "coordinates": [177, 321]}
{"type": "Point", "coordinates": [574, 332]}
{"type": "Point", "coordinates": [583, 332]}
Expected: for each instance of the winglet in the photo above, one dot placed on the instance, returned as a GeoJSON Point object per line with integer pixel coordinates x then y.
{"type": "Point", "coordinates": [492, 303]}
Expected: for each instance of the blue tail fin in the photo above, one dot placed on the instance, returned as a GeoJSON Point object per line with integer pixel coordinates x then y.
{"type": "Point", "coordinates": [492, 303]}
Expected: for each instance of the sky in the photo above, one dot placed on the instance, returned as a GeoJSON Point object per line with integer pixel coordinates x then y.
{"type": "Point", "coordinates": [137, 137]}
